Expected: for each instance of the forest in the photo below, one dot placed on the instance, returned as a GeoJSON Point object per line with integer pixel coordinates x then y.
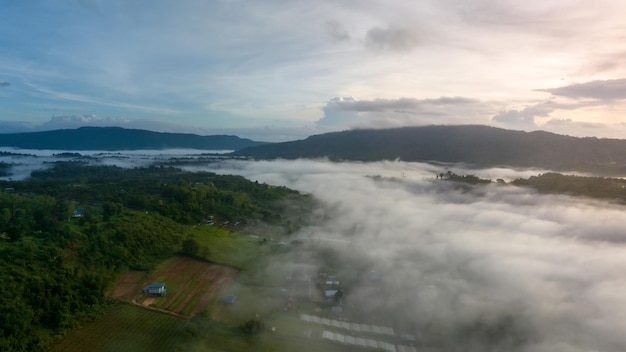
{"type": "Point", "coordinates": [67, 233]}
{"type": "Point", "coordinates": [609, 188]}
{"type": "Point", "coordinates": [606, 188]}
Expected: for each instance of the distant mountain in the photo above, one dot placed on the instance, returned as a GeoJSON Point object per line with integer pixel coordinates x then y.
{"type": "Point", "coordinates": [117, 138]}
{"type": "Point", "coordinates": [481, 146]}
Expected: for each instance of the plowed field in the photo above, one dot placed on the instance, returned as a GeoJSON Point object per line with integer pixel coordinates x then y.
{"type": "Point", "coordinates": [193, 286]}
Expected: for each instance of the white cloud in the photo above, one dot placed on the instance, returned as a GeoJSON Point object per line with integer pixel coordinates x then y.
{"type": "Point", "coordinates": [523, 119]}
{"type": "Point", "coordinates": [490, 268]}
{"type": "Point", "coordinates": [58, 120]}
{"type": "Point", "coordinates": [348, 112]}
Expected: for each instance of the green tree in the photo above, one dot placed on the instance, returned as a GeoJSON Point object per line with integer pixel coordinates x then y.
{"type": "Point", "coordinates": [191, 247]}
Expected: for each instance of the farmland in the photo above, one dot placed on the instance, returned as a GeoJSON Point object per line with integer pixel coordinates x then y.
{"type": "Point", "coordinates": [126, 328]}
{"type": "Point", "coordinates": [192, 285]}
{"type": "Point", "coordinates": [130, 328]}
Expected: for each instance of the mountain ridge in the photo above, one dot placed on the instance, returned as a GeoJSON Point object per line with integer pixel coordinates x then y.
{"type": "Point", "coordinates": [478, 145]}
{"type": "Point", "coordinates": [475, 145]}
{"type": "Point", "coordinates": [118, 138]}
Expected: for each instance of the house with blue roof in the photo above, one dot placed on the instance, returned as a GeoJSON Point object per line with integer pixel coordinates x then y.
{"type": "Point", "coordinates": [155, 288]}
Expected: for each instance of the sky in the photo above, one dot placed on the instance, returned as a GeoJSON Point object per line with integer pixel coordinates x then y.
{"type": "Point", "coordinates": [280, 70]}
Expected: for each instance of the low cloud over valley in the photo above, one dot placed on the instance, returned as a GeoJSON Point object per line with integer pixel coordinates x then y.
{"type": "Point", "coordinates": [491, 268]}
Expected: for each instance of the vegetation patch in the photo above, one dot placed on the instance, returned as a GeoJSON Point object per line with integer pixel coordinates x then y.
{"type": "Point", "coordinates": [126, 327]}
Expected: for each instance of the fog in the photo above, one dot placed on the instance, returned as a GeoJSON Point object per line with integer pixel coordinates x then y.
{"type": "Point", "coordinates": [482, 268]}
{"type": "Point", "coordinates": [24, 161]}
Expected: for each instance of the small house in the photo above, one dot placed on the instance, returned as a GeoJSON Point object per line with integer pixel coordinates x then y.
{"type": "Point", "coordinates": [78, 213]}
{"type": "Point", "coordinates": [155, 288]}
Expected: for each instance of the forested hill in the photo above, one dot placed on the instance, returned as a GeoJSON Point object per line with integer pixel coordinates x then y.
{"type": "Point", "coordinates": [473, 144]}
{"type": "Point", "coordinates": [117, 138]}
{"type": "Point", "coordinates": [69, 232]}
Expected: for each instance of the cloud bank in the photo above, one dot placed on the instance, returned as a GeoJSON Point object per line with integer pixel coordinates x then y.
{"type": "Point", "coordinates": [494, 268]}
{"type": "Point", "coordinates": [348, 112]}
{"type": "Point", "coordinates": [614, 89]}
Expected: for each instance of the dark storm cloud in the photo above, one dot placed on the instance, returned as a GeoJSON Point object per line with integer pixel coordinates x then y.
{"type": "Point", "coordinates": [5, 84]}
{"type": "Point", "coordinates": [614, 89]}
{"type": "Point", "coordinates": [391, 39]}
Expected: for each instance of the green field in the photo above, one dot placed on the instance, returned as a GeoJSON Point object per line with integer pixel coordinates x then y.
{"type": "Point", "coordinates": [127, 328]}
{"type": "Point", "coordinates": [232, 248]}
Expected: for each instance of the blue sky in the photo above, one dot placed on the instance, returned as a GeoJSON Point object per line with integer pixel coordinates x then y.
{"type": "Point", "coordinates": [280, 70]}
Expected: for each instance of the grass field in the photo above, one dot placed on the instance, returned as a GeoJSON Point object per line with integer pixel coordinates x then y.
{"type": "Point", "coordinates": [232, 248]}
{"type": "Point", "coordinates": [126, 327]}
{"type": "Point", "coordinates": [130, 328]}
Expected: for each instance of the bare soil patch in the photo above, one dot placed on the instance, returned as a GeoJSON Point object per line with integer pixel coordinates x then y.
{"type": "Point", "coordinates": [129, 286]}
{"type": "Point", "coordinates": [192, 285]}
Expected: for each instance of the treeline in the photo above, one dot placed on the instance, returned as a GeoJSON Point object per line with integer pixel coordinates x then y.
{"type": "Point", "coordinates": [555, 183]}
{"type": "Point", "coordinates": [593, 187]}
{"type": "Point", "coordinates": [68, 232]}
{"type": "Point", "coordinates": [471, 179]}
{"type": "Point", "coordinates": [185, 197]}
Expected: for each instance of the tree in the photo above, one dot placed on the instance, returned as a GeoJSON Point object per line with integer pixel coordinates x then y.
{"type": "Point", "coordinates": [252, 326]}
{"type": "Point", "coordinates": [111, 209]}
{"type": "Point", "coordinates": [191, 247]}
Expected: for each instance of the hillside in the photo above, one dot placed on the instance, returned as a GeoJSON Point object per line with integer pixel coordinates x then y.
{"type": "Point", "coordinates": [117, 138]}
{"type": "Point", "coordinates": [481, 146]}
{"type": "Point", "coordinates": [70, 232]}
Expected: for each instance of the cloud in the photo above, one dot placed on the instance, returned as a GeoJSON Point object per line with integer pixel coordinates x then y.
{"type": "Point", "coordinates": [336, 32]}
{"type": "Point", "coordinates": [346, 112]}
{"type": "Point", "coordinates": [15, 126]}
{"type": "Point", "coordinates": [5, 84]}
{"type": "Point", "coordinates": [378, 105]}
{"type": "Point", "coordinates": [614, 89]}
{"type": "Point", "coordinates": [391, 39]}
{"type": "Point", "coordinates": [493, 268]}
{"type": "Point", "coordinates": [603, 65]}
{"type": "Point", "coordinates": [584, 128]}
{"type": "Point", "coordinates": [488, 268]}
{"type": "Point", "coordinates": [75, 121]}
{"type": "Point", "coordinates": [524, 118]}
